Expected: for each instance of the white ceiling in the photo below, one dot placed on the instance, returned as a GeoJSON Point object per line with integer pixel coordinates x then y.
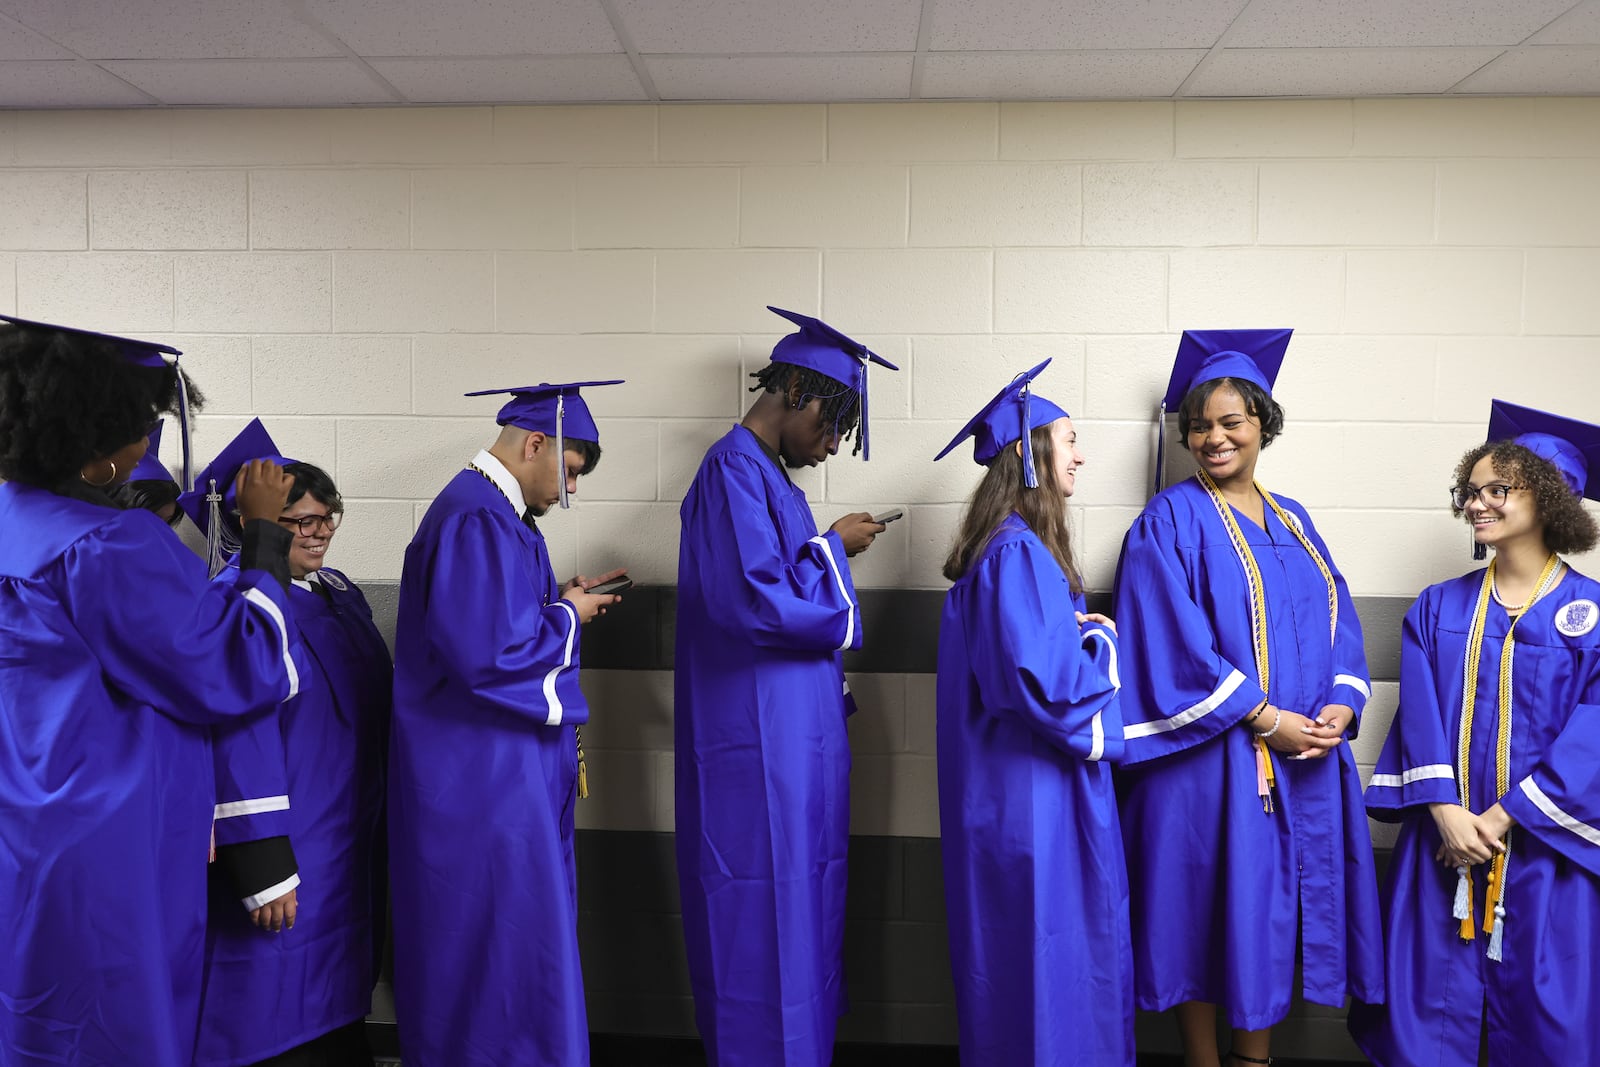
{"type": "Point", "coordinates": [275, 53]}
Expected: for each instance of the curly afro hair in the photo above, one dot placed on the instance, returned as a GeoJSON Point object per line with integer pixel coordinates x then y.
{"type": "Point", "coordinates": [1568, 527]}
{"type": "Point", "coordinates": [1257, 404]}
{"type": "Point", "coordinates": [67, 399]}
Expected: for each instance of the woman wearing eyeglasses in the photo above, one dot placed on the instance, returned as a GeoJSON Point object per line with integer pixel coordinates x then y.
{"type": "Point", "coordinates": [297, 904]}
{"type": "Point", "coordinates": [1492, 769]}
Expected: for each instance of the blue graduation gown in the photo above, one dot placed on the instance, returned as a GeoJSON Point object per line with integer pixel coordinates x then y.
{"type": "Point", "coordinates": [1035, 887]}
{"type": "Point", "coordinates": [266, 993]}
{"type": "Point", "coordinates": [483, 778]}
{"type": "Point", "coordinates": [1543, 998]}
{"type": "Point", "coordinates": [765, 606]}
{"type": "Point", "coordinates": [1221, 891]}
{"type": "Point", "coordinates": [115, 651]}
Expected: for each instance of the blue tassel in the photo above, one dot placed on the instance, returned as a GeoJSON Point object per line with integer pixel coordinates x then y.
{"type": "Point", "coordinates": [1030, 477]}
{"type": "Point", "coordinates": [866, 441]}
{"type": "Point", "coordinates": [561, 448]}
{"type": "Point", "coordinates": [187, 483]}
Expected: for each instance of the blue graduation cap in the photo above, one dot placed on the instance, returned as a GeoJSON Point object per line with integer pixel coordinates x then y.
{"type": "Point", "coordinates": [1205, 355]}
{"type": "Point", "coordinates": [1253, 356]}
{"type": "Point", "coordinates": [555, 410]}
{"type": "Point", "coordinates": [214, 498]}
{"type": "Point", "coordinates": [1571, 446]}
{"type": "Point", "coordinates": [819, 347]}
{"type": "Point", "coordinates": [152, 354]}
{"type": "Point", "coordinates": [1010, 417]}
{"type": "Point", "coordinates": [150, 468]}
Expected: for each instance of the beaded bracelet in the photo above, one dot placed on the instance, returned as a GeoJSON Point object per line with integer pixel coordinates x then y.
{"type": "Point", "coordinates": [1277, 722]}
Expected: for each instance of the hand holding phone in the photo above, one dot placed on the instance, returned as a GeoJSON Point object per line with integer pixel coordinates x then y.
{"type": "Point", "coordinates": [889, 516]}
{"type": "Point", "coordinates": [615, 585]}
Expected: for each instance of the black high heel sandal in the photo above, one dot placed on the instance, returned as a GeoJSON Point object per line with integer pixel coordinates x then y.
{"type": "Point", "coordinates": [1232, 1055]}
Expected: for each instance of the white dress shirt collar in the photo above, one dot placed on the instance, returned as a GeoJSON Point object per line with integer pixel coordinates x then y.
{"type": "Point", "coordinates": [501, 477]}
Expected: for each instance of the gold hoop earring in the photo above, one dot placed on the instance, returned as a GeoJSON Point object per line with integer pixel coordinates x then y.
{"type": "Point", "coordinates": [101, 485]}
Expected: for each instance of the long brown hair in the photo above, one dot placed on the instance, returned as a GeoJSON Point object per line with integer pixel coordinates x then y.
{"type": "Point", "coordinates": [1000, 493]}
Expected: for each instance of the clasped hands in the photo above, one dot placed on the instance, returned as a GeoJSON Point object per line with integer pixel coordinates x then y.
{"type": "Point", "coordinates": [1468, 839]}
{"type": "Point", "coordinates": [1299, 737]}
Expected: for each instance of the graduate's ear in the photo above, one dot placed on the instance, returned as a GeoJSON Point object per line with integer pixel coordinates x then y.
{"type": "Point", "coordinates": [793, 395]}
{"type": "Point", "coordinates": [533, 445]}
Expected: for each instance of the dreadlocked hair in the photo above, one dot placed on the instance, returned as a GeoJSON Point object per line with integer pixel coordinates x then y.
{"type": "Point", "coordinates": [1003, 492]}
{"type": "Point", "coordinates": [841, 405]}
{"type": "Point", "coordinates": [67, 399]}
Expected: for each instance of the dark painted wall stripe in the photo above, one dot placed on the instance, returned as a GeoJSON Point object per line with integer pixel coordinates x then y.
{"type": "Point", "coordinates": [902, 628]}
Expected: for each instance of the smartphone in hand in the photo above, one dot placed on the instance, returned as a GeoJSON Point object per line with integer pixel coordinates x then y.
{"type": "Point", "coordinates": [615, 585]}
{"type": "Point", "coordinates": [889, 516]}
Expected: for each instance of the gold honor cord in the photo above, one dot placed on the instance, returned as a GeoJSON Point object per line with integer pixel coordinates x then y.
{"type": "Point", "coordinates": [1494, 906]}
{"type": "Point", "coordinates": [1266, 777]}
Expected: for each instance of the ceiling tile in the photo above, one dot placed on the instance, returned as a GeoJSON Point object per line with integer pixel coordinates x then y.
{"type": "Point", "coordinates": [1581, 25]}
{"type": "Point", "coordinates": [1024, 25]}
{"type": "Point", "coordinates": [63, 83]}
{"type": "Point", "coordinates": [19, 42]}
{"type": "Point", "coordinates": [1546, 71]}
{"type": "Point", "coordinates": [876, 76]}
{"type": "Point", "coordinates": [479, 28]}
{"type": "Point", "coordinates": [1336, 71]}
{"type": "Point", "coordinates": [253, 82]}
{"type": "Point", "coordinates": [1391, 24]}
{"type": "Point", "coordinates": [172, 29]}
{"type": "Point", "coordinates": [707, 26]}
{"type": "Point", "coordinates": [1056, 75]}
{"type": "Point", "coordinates": [542, 79]}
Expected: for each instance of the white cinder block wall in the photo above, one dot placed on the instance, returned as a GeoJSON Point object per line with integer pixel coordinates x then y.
{"type": "Point", "coordinates": [348, 274]}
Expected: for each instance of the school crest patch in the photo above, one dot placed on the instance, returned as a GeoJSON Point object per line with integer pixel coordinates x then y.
{"type": "Point", "coordinates": [1577, 618]}
{"type": "Point", "coordinates": [333, 581]}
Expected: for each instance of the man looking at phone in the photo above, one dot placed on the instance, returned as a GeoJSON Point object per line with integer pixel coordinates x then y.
{"type": "Point", "coordinates": [766, 605]}
{"type": "Point", "coordinates": [485, 759]}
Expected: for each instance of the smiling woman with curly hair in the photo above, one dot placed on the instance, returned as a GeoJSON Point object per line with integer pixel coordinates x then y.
{"type": "Point", "coordinates": [115, 653]}
{"type": "Point", "coordinates": [1490, 770]}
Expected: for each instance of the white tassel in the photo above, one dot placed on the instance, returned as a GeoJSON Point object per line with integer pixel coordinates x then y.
{"type": "Point", "coordinates": [1463, 906]}
{"type": "Point", "coordinates": [1499, 931]}
{"type": "Point", "coordinates": [214, 550]}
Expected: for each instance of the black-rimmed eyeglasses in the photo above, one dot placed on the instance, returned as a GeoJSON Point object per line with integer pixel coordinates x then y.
{"type": "Point", "coordinates": [310, 524]}
{"type": "Point", "coordinates": [1493, 495]}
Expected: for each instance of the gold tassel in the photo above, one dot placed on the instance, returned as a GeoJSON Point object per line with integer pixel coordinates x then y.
{"type": "Point", "coordinates": [583, 771]}
{"type": "Point", "coordinates": [1497, 872]}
